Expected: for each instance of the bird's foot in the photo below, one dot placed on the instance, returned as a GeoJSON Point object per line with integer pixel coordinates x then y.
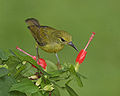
{"type": "Point", "coordinates": [59, 66]}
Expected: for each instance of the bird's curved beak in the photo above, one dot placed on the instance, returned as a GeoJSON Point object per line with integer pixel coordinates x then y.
{"type": "Point", "coordinates": [71, 44]}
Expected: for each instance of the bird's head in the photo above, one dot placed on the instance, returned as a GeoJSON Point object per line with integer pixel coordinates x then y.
{"type": "Point", "coordinates": [66, 39]}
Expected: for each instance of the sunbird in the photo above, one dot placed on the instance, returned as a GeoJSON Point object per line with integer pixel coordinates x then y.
{"type": "Point", "coordinates": [47, 38]}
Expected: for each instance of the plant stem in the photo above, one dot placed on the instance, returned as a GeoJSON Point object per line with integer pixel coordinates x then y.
{"type": "Point", "coordinates": [77, 67]}
{"type": "Point", "coordinates": [50, 93]}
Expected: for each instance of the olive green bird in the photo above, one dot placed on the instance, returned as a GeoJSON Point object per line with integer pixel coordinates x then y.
{"type": "Point", "coordinates": [48, 38]}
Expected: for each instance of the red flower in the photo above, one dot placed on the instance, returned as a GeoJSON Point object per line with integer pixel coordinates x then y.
{"type": "Point", "coordinates": [40, 62]}
{"type": "Point", "coordinates": [81, 56]}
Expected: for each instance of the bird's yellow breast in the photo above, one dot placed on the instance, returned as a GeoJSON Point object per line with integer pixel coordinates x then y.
{"type": "Point", "coordinates": [52, 48]}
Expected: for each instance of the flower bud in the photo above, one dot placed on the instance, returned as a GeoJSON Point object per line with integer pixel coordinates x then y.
{"type": "Point", "coordinates": [33, 77]}
{"type": "Point", "coordinates": [38, 81]}
{"type": "Point", "coordinates": [81, 56]}
{"type": "Point", "coordinates": [48, 87]}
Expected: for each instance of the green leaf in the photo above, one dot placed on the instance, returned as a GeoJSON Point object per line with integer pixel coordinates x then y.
{"type": "Point", "coordinates": [29, 70]}
{"type": "Point", "coordinates": [26, 86]}
{"type": "Point", "coordinates": [55, 92]}
{"type": "Point", "coordinates": [59, 78]}
{"type": "Point", "coordinates": [30, 60]}
{"type": "Point", "coordinates": [17, 93]}
{"type": "Point", "coordinates": [5, 83]}
{"type": "Point", "coordinates": [62, 83]}
{"type": "Point", "coordinates": [3, 71]}
{"type": "Point", "coordinates": [72, 69]}
{"type": "Point", "coordinates": [17, 75]}
{"type": "Point", "coordinates": [79, 81]}
{"type": "Point", "coordinates": [3, 55]}
{"type": "Point", "coordinates": [3, 66]}
{"type": "Point", "coordinates": [71, 91]}
{"type": "Point", "coordinates": [1, 61]}
{"type": "Point", "coordinates": [12, 63]}
{"type": "Point", "coordinates": [37, 94]}
{"type": "Point", "coordinates": [50, 66]}
{"type": "Point", "coordinates": [76, 76]}
{"type": "Point", "coordinates": [56, 73]}
{"type": "Point", "coordinates": [84, 77]}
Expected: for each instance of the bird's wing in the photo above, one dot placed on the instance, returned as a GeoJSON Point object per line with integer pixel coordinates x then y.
{"type": "Point", "coordinates": [47, 33]}
{"type": "Point", "coordinates": [38, 35]}
{"type": "Point", "coordinates": [34, 27]}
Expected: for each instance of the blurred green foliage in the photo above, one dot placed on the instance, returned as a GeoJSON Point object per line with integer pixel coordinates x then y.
{"type": "Point", "coordinates": [79, 18]}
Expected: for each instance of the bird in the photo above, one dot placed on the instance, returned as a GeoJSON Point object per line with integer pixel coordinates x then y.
{"type": "Point", "coordinates": [49, 39]}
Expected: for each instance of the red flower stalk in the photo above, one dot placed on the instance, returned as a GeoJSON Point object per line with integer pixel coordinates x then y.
{"type": "Point", "coordinates": [40, 61]}
{"type": "Point", "coordinates": [81, 56]}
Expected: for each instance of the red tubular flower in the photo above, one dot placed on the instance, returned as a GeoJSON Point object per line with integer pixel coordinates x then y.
{"type": "Point", "coordinates": [40, 62]}
{"type": "Point", "coordinates": [81, 56]}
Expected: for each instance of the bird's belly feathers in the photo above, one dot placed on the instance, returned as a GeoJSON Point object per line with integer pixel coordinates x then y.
{"type": "Point", "coordinates": [52, 48]}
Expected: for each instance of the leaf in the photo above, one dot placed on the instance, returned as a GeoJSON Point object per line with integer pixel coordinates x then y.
{"type": "Point", "coordinates": [3, 66]}
{"type": "Point", "coordinates": [55, 92]}
{"type": "Point", "coordinates": [61, 83]}
{"type": "Point", "coordinates": [17, 93]}
{"type": "Point", "coordinates": [56, 73]}
{"type": "Point", "coordinates": [1, 61]}
{"type": "Point", "coordinates": [79, 81]}
{"type": "Point", "coordinates": [84, 77]}
{"type": "Point", "coordinates": [25, 70]}
{"type": "Point", "coordinates": [26, 86]}
{"type": "Point", "coordinates": [71, 91]}
{"type": "Point", "coordinates": [28, 71]}
{"type": "Point", "coordinates": [5, 83]}
{"type": "Point", "coordinates": [30, 60]}
{"type": "Point", "coordinates": [3, 71]}
{"type": "Point", "coordinates": [59, 78]}
{"type": "Point", "coordinates": [76, 76]}
{"type": "Point", "coordinates": [37, 94]}
{"type": "Point", "coordinates": [68, 81]}
{"type": "Point", "coordinates": [72, 69]}
{"type": "Point", "coordinates": [3, 55]}
{"type": "Point", "coordinates": [50, 66]}
{"type": "Point", "coordinates": [12, 63]}
{"type": "Point", "coordinates": [17, 75]}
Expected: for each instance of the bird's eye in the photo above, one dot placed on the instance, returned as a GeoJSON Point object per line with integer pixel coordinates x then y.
{"type": "Point", "coordinates": [62, 39]}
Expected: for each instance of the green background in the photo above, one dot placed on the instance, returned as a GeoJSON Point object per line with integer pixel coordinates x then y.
{"type": "Point", "coordinates": [79, 18]}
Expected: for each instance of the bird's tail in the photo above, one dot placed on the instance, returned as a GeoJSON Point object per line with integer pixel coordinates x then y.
{"type": "Point", "coordinates": [32, 22]}
{"type": "Point", "coordinates": [34, 27]}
